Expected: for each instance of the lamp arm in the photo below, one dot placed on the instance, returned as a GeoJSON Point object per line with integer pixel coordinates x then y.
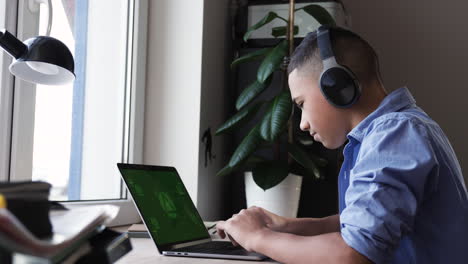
{"type": "Point", "coordinates": [50, 14]}
{"type": "Point", "coordinates": [33, 7]}
{"type": "Point", "coordinates": [11, 44]}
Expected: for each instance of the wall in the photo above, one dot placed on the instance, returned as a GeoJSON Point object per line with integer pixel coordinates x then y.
{"type": "Point", "coordinates": [422, 44]}
{"type": "Point", "coordinates": [188, 64]}
{"type": "Point", "coordinates": [216, 57]}
{"type": "Point", "coordinates": [173, 87]}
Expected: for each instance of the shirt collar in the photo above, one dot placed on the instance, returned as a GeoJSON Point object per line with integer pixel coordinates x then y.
{"type": "Point", "coordinates": [393, 102]}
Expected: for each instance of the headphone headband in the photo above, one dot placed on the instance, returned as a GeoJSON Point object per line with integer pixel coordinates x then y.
{"type": "Point", "coordinates": [337, 82]}
{"type": "Point", "coordinates": [324, 43]}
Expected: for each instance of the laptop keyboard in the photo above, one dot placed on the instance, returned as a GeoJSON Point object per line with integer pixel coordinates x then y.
{"type": "Point", "coordinates": [217, 247]}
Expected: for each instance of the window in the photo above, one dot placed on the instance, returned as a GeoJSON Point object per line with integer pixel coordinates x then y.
{"type": "Point", "coordinates": [53, 113]}
{"type": "Point", "coordinates": [73, 135]}
{"type": "Point", "coordinates": [78, 128]}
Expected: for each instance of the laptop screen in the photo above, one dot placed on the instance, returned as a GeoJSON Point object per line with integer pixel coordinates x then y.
{"type": "Point", "coordinates": [163, 203]}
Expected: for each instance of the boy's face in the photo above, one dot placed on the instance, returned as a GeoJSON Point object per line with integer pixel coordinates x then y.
{"type": "Point", "coordinates": [324, 122]}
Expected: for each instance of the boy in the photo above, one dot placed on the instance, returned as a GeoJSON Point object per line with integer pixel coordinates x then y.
{"type": "Point", "coordinates": [402, 198]}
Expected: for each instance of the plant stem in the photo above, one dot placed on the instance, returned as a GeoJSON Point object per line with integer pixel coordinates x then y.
{"type": "Point", "coordinates": [282, 18]}
{"type": "Point", "coordinates": [291, 49]}
{"type": "Point", "coordinates": [291, 27]}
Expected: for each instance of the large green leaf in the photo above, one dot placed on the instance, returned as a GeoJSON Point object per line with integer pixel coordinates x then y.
{"type": "Point", "coordinates": [299, 155]}
{"type": "Point", "coordinates": [272, 61]}
{"type": "Point", "coordinates": [248, 145]}
{"type": "Point", "coordinates": [282, 31]}
{"type": "Point", "coordinates": [269, 174]}
{"type": "Point", "coordinates": [251, 92]}
{"type": "Point", "coordinates": [320, 14]}
{"type": "Point", "coordinates": [251, 56]}
{"type": "Point", "coordinates": [277, 117]}
{"type": "Point", "coordinates": [227, 170]}
{"type": "Point", "coordinates": [241, 117]}
{"type": "Point", "coordinates": [252, 161]}
{"type": "Point", "coordinates": [265, 20]}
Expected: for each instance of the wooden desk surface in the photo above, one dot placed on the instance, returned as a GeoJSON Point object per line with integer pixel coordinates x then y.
{"type": "Point", "coordinates": [145, 252]}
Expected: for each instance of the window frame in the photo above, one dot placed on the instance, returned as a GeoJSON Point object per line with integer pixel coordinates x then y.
{"type": "Point", "coordinates": [16, 148]}
{"type": "Point", "coordinates": [7, 94]}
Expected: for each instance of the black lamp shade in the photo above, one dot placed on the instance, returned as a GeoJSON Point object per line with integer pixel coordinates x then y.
{"type": "Point", "coordinates": [43, 60]}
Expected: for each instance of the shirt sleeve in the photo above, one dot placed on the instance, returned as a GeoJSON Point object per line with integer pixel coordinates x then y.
{"type": "Point", "coordinates": [386, 186]}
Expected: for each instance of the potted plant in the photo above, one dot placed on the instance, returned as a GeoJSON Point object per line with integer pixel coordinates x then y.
{"type": "Point", "coordinates": [274, 132]}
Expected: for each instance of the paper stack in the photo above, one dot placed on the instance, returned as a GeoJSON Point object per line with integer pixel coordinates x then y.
{"type": "Point", "coordinates": [76, 234]}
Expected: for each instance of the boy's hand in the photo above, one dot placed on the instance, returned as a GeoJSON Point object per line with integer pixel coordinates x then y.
{"type": "Point", "coordinates": [274, 221]}
{"type": "Point", "coordinates": [246, 227]}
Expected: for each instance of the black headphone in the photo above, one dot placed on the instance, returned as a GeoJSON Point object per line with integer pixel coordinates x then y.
{"type": "Point", "coordinates": [337, 82]}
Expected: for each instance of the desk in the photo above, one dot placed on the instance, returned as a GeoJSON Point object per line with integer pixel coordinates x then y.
{"type": "Point", "coordinates": [145, 252]}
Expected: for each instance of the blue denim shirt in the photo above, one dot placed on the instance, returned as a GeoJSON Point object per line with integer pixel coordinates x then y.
{"type": "Point", "coordinates": [402, 194]}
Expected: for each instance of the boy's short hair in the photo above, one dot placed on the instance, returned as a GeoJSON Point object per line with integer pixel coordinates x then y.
{"type": "Point", "coordinates": [349, 49]}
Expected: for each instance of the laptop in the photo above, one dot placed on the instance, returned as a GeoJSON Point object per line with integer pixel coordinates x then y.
{"type": "Point", "coordinates": [170, 216]}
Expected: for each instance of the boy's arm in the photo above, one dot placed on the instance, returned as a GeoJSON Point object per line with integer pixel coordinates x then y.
{"type": "Point", "coordinates": [312, 226]}
{"type": "Point", "coordinates": [250, 229]}
{"type": "Point", "coordinates": [289, 248]}
{"type": "Point", "coordinates": [299, 226]}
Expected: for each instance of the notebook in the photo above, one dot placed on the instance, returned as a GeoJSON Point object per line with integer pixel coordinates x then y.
{"type": "Point", "coordinates": [170, 216]}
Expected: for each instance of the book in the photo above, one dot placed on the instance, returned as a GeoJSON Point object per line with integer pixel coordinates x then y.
{"type": "Point", "coordinates": [72, 231]}
{"type": "Point", "coordinates": [82, 250]}
{"type": "Point", "coordinates": [137, 228]}
{"type": "Point", "coordinates": [138, 231]}
{"type": "Point", "coordinates": [28, 201]}
{"type": "Point", "coordinates": [107, 247]}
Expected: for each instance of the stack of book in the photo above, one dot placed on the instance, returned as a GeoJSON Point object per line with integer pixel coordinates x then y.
{"type": "Point", "coordinates": [79, 236]}
{"type": "Point", "coordinates": [29, 202]}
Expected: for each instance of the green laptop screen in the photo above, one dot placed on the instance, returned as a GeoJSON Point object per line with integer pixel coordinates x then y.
{"type": "Point", "coordinates": [165, 205]}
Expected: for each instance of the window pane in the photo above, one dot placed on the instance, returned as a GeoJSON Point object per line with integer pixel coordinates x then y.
{"type": "Point", "coordinates": [78, 131]}
{"type": "Point", "coordinates": [4, 140]}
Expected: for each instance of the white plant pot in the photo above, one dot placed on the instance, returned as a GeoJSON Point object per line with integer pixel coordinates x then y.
{"type": "Point", "coordinates": [283, 199]}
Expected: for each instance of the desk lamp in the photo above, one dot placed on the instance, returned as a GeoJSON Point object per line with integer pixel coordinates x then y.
{"type": "Point", "coordinates": [42, 59]}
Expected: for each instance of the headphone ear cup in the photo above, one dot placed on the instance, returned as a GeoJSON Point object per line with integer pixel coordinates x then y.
{"type": "Point", "coordinates": [339, 86]}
